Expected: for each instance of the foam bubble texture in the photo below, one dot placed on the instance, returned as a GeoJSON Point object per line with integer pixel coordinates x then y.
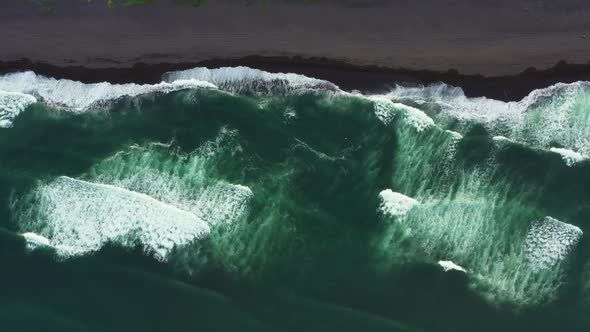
{"type": "Point", "coordinates": [223, 203]}
{"type": "Point", "coordinates": [385, 110]}
{"type": "Point", "coordinates": [244, 79]}
{"type": "Point", "coordinates": [558, 113]}
{"type": "Point", "coordinates": [549, 241]}
{"type": "Point", "coordinates": [217, 203]}
{"type": "Point", "coordinates": [78, 217]}
{"type": "Point", "coordinates": [455, 135]}
{"type": "Point", "coordinates": [11, 105]}
{"type": "Point", "coordinates": [180, 180]}
{"type": "Point", "coordinates": [449, 265]}
{"type": "Point", "coordinates": [415, 117]}
{"type": "Point", "coordinates": [569, 157]}
{"type": "Point", "coordinates": [395, 204]}
{"type": "Point", "coordinates": [35, 240]}
{"type": "Point", "coordinates": [79, 96]}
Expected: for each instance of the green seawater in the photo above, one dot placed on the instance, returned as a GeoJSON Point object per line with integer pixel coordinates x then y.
{"type": "Point", "coordinates": [301, 235]}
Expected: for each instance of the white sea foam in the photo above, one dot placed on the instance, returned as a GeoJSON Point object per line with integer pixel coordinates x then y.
{"type": "Point", "coordinates": [455, 135]}
{"type": "Point", "coordinates": [501, 139]}
{"type": "Point", "coordinates": [385, 110]}
{"type": "Point", "coordinates": [450, 153]}
{"type": "Point", "coordinates": [569, 157]}
{"type": "Point", "coordinates": [78, 217]}
{"type": "Point", "coordinates": [549, 241]}
{"type": "Point", "coordinates": [478, 228]}
{"type": "Point", "coordinates": [415, 117]}
{"type": "Point", "coordinates": [559, 113]}
{"type": "Point", "coordinates": [11, 105]}
{"type": "Point", "coordinates": [79, 96]}
{"type": "Point", "coordinates": [218, 203]}
{"type": "Point", "coordinates": [453, 101]}
{"type": "Point", "coordinates": [449, 265]}
{"type": "Point", "coordinates": [290, 114]}
{"type": "Point", "coordinates": [35, 240]}
{"type": "Point", "coordinates": [395, 204]}
{"type": "Point", "coordinates": [181, 180]}
{"type": "Point", "coordinates": [223, 203]}
{"type": "Point", "coordinates": [245, 79]}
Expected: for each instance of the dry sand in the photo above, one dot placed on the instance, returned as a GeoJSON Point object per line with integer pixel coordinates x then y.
{"type": "Point", "coordinates": [488, 37]}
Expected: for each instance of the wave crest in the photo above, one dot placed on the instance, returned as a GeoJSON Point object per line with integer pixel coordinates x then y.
{"type": "Point", "coordinates": [245, 79]}
{"type": "Point", "coordinates": [77, 217]}
{"type": "Point", "coordinates": [79, 96]}
{"type": "Point", "coordinates": [556, 116]}
{"type": "Point", "coordinates": [11, 105]}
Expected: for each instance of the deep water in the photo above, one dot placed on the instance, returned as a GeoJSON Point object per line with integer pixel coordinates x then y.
{"type": "Point", "coordinates": [294, 209]}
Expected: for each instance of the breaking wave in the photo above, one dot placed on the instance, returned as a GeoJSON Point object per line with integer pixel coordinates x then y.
{"type": "Point", "coordinates": [11, 105]}
{"type": "Point", "coordinates": [250, 80]}
{"type": "Point", "coordinates": [287, 182]}
{"type": "Point", "coordinates": [553, 117]}
{"type": "Point", "coordinates": [77, 217]}
{"type": "Point", "coordinates": [79, 96]}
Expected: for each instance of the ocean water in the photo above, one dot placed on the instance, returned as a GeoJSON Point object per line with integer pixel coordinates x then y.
{"type": "Point", "coordinates": [233, 199]}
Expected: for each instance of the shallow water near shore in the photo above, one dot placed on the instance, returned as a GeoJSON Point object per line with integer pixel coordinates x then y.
{"type": "Point", "coordinates": [236, 199]}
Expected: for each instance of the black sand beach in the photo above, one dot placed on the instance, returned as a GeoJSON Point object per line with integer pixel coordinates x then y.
{"type": "Point", "coordinates": [369, 79]}
{"type": "Point", "coordinates": [482, 46]}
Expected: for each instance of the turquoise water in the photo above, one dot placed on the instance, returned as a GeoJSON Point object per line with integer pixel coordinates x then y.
{"type": "Point", "coordinates": [250, 201]}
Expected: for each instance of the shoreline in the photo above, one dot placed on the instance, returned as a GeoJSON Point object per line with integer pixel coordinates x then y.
{"type": "Point", "coordinates": [367, 79]}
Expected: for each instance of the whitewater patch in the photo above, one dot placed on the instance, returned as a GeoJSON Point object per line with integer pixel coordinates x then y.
{"type": "Point", "coordinates": [569, 157]}
{"type": "Point", "coordinates": [502, 139]}
{"type": "Point", "coordinates": [77, 217]}
{"type": "Point", "coordinates": [223, 203]}
{"type": "Point", "coordinates": [449, 265]}
{"type": "Point", "coordinates": [244, 79]}
{"type": "Point", "coordinates": [79, 96]}
{"type": "Point", "coordinates": [478, 228]}
{"type": "Point", "coordinates": [385, 110]}
{"type": "Point", "coordinates": [455, 135]}
{"type": "Point", "coordinates": [556, 114]}
{"type": "Point", "coordinates": [452, 101]}
{"type": "Point", "coordinates": [415, 117]}
{"type": "Point", "coordinates": [395, 204]}
{"type": "Point", "coordinates": [219, 203]}
{"type": "Point", "coordinates": [181, 180]}
{"type": "Point", "coordinates": [11, 105]}
{"type": "Point", "coordinates": [549, 241]}
{"type": "Point", "coordinates": [35, 240]}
